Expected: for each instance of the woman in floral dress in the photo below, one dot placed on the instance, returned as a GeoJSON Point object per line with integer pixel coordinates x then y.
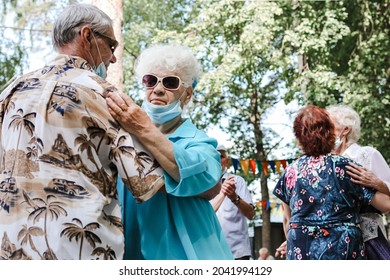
{"type": "Point", "coordinates": [321, 203]}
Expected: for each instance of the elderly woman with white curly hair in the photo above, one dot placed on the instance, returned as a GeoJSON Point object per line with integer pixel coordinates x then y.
{"type": "Point", "coordinates": [178, 222]}
{"type": "Point", "coordinates": [374, 173]}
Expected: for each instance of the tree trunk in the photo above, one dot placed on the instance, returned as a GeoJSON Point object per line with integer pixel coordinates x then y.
{"type": "Point", "coordinates": [266, 214]}
{"type": "Point", "coordinates": [261, 156]}
{"type": "Point", "coordinates": [114, 10]}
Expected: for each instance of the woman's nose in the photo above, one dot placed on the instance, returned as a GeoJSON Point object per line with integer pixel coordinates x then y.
{"type": "Point", "coordinates": [159, 88]}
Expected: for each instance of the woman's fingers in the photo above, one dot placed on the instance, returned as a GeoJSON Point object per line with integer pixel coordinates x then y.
{"type": "Point", "coordinates": [118, 102]}
{"type": "Point", "coordinates": [360, 175]}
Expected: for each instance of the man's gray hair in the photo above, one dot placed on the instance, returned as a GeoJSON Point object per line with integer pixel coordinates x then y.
{"type": "Point", "coordinates": [172, 58]}
{"type": "Point", "coordinates": [345, 116]}
{"type": "Point", "coordinates": [73, 18]}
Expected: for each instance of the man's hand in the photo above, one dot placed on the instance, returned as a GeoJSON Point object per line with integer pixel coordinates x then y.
{"type": "Point", "coordinates": [229, 188]}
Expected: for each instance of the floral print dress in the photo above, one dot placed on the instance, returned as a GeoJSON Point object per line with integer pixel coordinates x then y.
{"type": "Point", "coordinates": [324, 205]}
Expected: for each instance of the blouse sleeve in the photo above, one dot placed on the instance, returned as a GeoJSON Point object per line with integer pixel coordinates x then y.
{"type": "Point", "coordinates": [280, 189]}
{"type": "Point", "coordinates": [199, 166]}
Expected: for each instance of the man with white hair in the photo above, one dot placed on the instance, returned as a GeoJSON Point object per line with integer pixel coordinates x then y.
{"type": "Point", "coordinates": [61, 151]}
{"type": "Point", "coordinates": [233, 206]}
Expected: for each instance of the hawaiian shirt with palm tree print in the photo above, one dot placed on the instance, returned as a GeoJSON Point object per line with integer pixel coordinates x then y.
{"type": "Point", "coordinates": [60, 156]}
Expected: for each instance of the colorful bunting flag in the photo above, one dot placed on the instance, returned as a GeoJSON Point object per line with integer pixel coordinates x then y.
{"type": "Point", "coordinates": [244, 165]}
{"type": "Point", "coordinates": [252, 165]}
{"type": "Point", "coordinates": [264, 164]}
{"type": "Point", "coordinates": [290, 160]}
{"type": "Point", "coordinates": [272, 165]}
{"type": "Point", "coordinates": [266, 204]}
{"type": "Point", "coordinates": [259, 166]}
{"type": "Point", "coordinates": [235, 163]}
{"type": "Point", "coordinates": [278, 163]}
{"type": "Point", "coordinates": [256, 165]}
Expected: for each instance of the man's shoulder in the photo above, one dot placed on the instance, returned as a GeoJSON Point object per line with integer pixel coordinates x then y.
{"type": "Point", "coordinates": [361, 153]}
{"type": "Point", "coordinates": [76, 70]}
{"type": "Point", "coordinates": [238, 177]}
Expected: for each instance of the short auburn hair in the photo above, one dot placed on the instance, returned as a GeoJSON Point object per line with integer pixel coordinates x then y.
{"type": "Point", "coordinates": [314, 131]}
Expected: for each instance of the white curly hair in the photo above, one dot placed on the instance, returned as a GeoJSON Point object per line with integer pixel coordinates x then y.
{"type": "Point", "coordinates": [171, 57]}
{"type": "Point", "coordinates": [345, 116]}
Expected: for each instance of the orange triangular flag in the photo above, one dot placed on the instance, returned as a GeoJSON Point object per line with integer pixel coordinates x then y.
{"type": "Point", "coordinates": [245, 165]}
{"type": "Point", "coordinates": [252, 164]}
{"type": "Point", "coordinates": [278, 163]}
{"type": "Point", "coordinates": [264, 164]}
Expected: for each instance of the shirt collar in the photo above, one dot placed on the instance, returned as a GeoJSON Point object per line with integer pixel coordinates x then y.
{"type": "Point", "coordinates": [185, 130]}
{"type": "Point", "coordinates": [351, 150]}
{"type": "Point", "coordinates": [72, 61]}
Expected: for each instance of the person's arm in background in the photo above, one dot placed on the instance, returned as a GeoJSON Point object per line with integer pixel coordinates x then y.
{"type": "Point", "coordinates": [211, 193]}
{"type": "Point", "coordinates": [229, 190]}
{"type": "Point", "coordinates": [381, 202]}
{"type": "Point", "coordinates": [216, 202]}
{"type": "Point", "coordinates": [246, 205]}
{"type": "Point", "coordinates": [281, 250]}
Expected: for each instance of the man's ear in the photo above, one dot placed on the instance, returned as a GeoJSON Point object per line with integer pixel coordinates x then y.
{"type": "Point", "coordinates": [86, 35]}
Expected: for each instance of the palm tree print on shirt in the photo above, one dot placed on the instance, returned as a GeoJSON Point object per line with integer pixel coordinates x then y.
{"type": "Point", "coordinates": [85, 144]}
{"type": "Point", "coordinates": [97, 129]}
{"type": "Point", "coordinates": [20, 122]}
{"type": "Point", "coordinates": [108, 253]}
{"type": "Point", "coordinates": [121, 150]}
{"type": "Point", "coordinates": [26, 235]}
{"type": "Point", "coordinates": [49, 209]}
{"type": "Point", "coordinates": [79, 232]}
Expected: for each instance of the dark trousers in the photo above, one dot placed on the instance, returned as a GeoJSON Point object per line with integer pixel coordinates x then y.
{"type": "Point", "coordinates": [378, 248]}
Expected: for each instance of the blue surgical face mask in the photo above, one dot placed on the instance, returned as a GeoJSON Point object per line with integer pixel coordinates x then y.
{"type": "Point", "coordinates": [160, 114]}
{"type": "Point", "coordinates": [338, 142]}
{"type": "Point", "coordinates": [101, 69]}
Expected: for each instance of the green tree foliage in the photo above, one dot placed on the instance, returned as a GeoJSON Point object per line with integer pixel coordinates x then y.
{"type": "Point", "coordinates": [25, 28]}
{"type": "Point", "coordinates": [369, 72]}
{"type": "Point", "coordinates": [11, 59]}
{"type": "Point", "coordinates": [11, 53]}
{"type": "Point", "coordinates": [346, 49]}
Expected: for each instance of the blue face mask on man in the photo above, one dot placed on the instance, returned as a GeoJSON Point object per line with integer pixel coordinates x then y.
{"type": "Point", "coordinates": [101, 69]}
{"type": "Point", "coordinates": [160, 114]}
